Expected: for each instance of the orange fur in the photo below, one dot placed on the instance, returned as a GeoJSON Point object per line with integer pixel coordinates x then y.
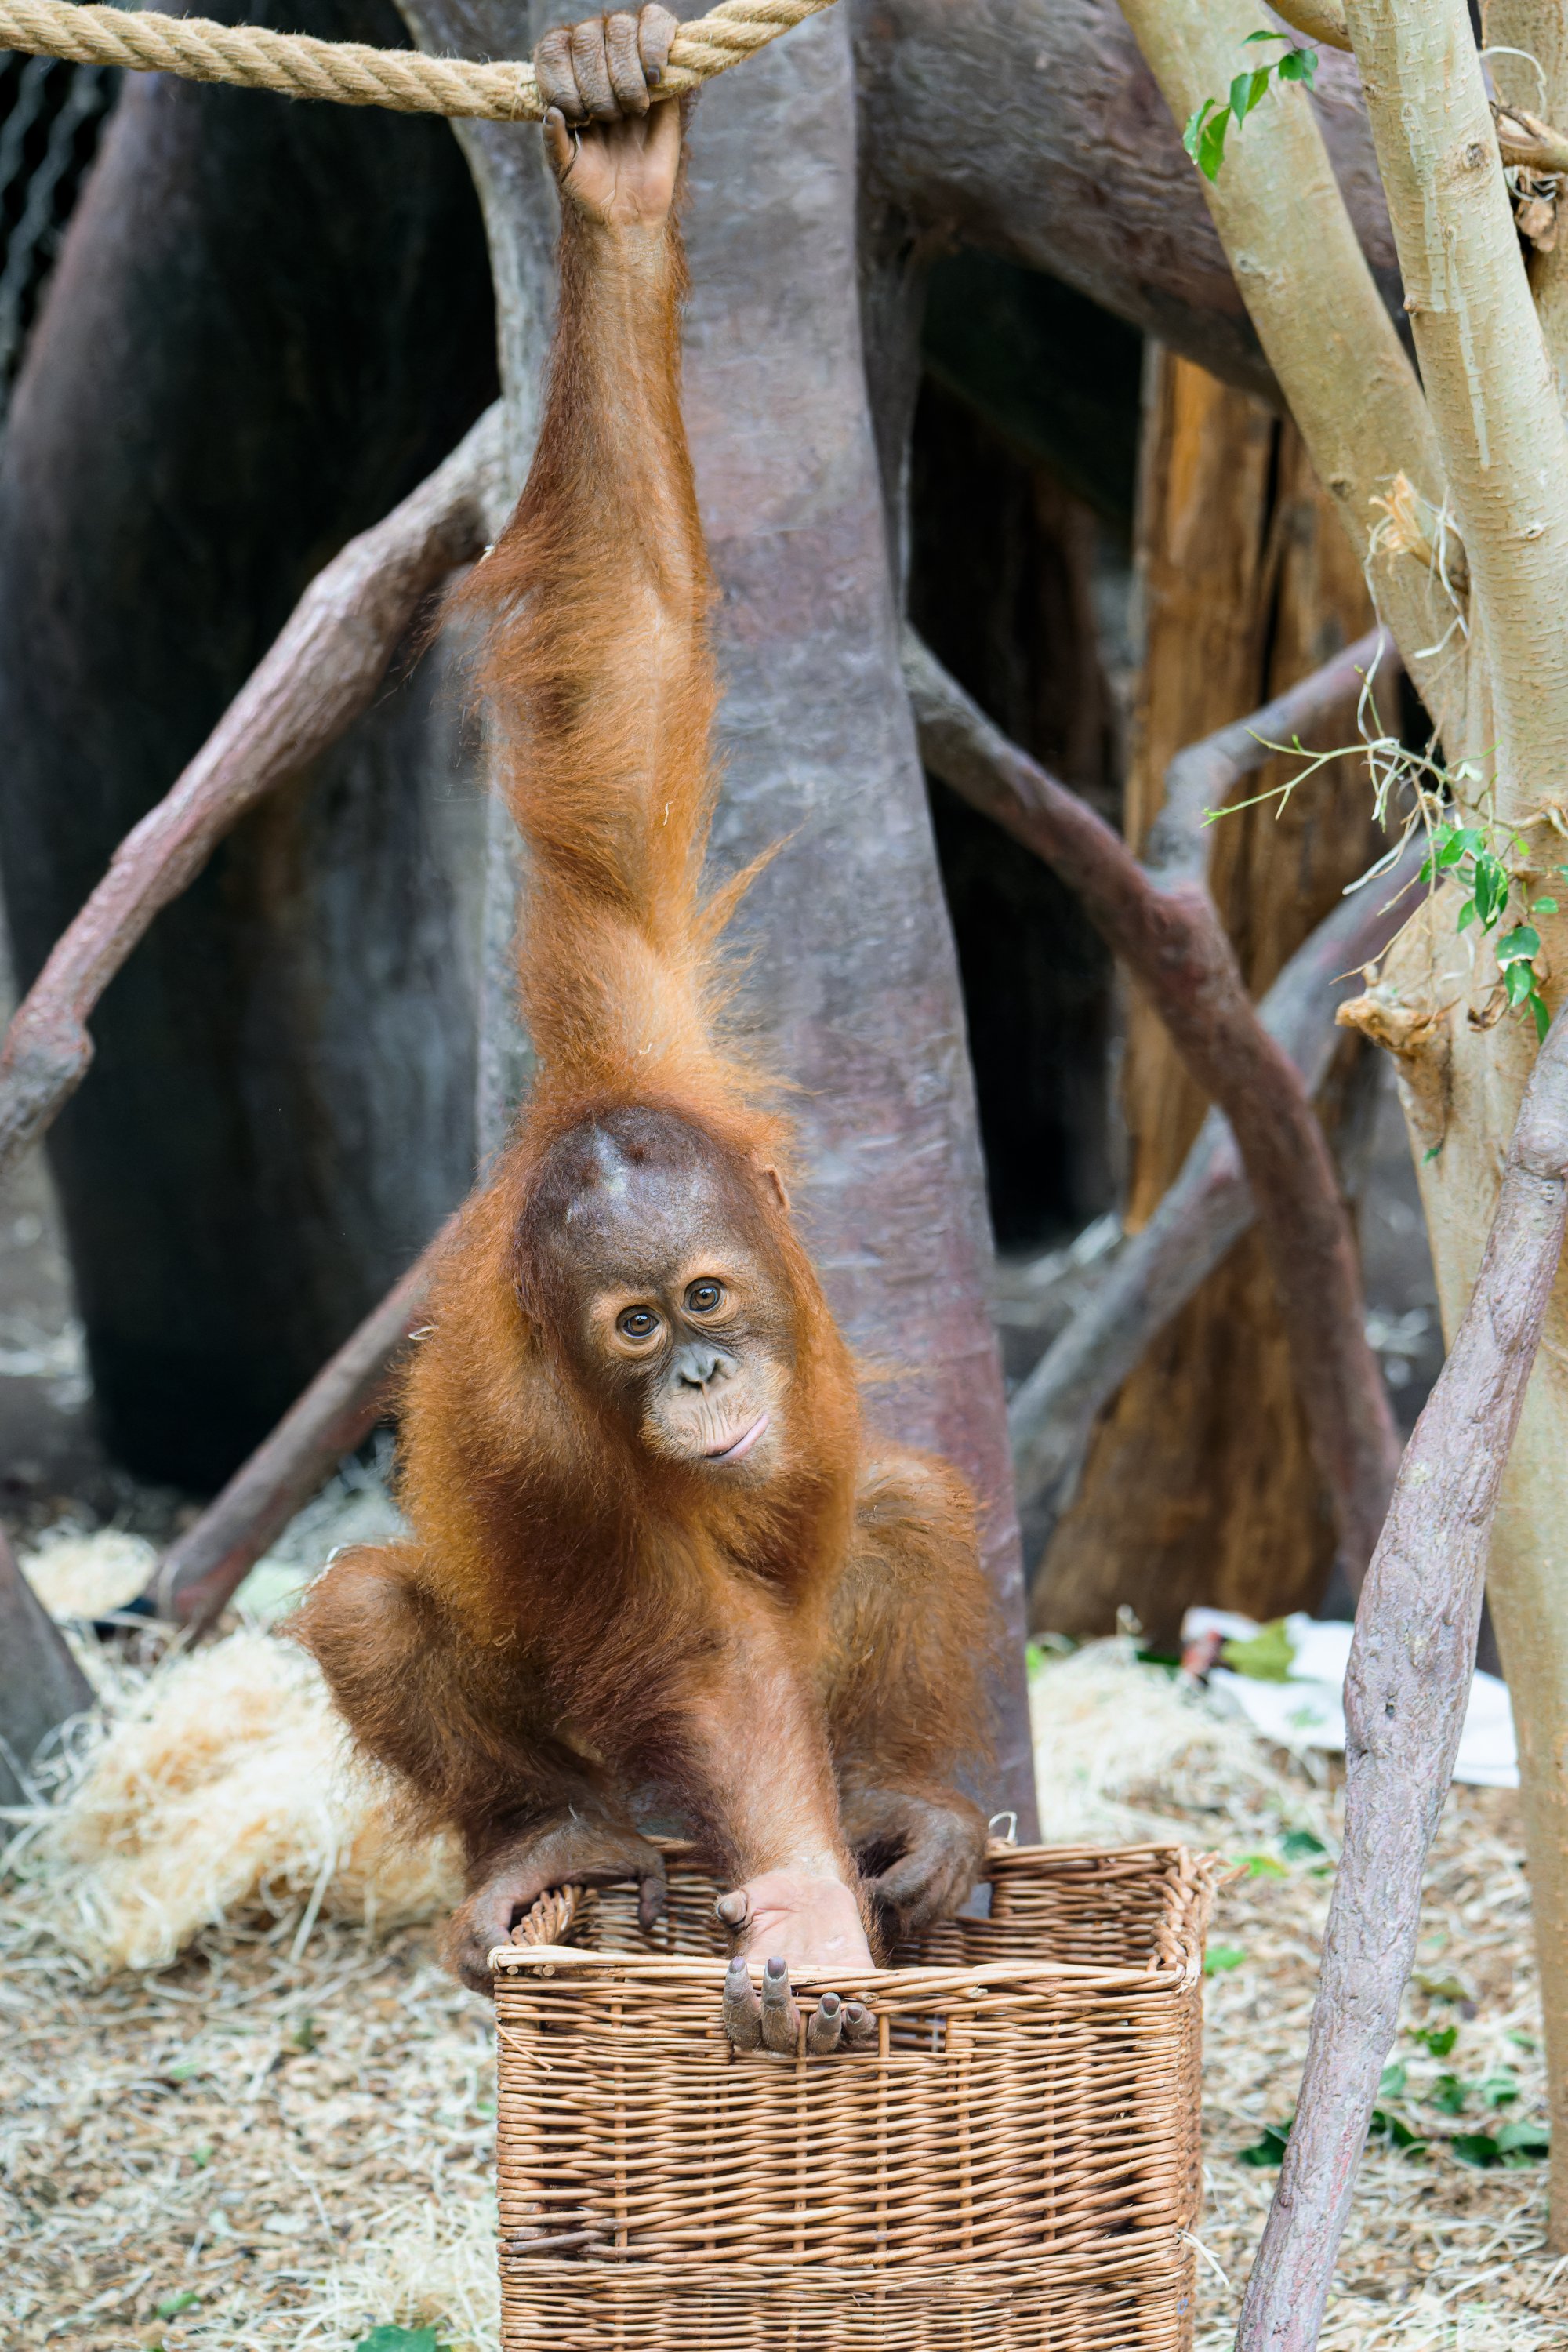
{"type": "Point", "coordinates": [577, 1623]}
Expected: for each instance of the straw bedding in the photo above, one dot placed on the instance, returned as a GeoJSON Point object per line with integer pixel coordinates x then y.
{"type": "Point", "coordinates": [284, 2136]}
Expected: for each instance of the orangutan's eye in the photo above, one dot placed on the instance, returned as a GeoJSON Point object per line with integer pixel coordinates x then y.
{"type": "Point", "coordinates": [636, 1323]}
{"type": "Point", "coordinates": [704, 1298]}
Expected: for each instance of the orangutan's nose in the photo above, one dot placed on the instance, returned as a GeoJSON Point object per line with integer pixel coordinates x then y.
{"type": "Point", "coordinates": [698, 1363]}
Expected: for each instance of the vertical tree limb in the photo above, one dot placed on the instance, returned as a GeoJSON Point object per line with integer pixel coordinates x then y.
{"type": "Point", "coordinates": [1411, 1661]}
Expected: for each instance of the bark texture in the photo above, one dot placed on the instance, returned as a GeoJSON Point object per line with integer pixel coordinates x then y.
{"type": "Point", "coordinates": [1411, 1661]}
{"type": "Point", "coordinates": [1034, 129]}
{"type": "Point", "coordinates": [1201, 1485]}
{"type": "Point", "coordinates": [278, 1117]}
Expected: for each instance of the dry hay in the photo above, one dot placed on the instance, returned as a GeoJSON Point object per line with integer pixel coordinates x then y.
{"type": "Point", "coordinates": [295, 2128]}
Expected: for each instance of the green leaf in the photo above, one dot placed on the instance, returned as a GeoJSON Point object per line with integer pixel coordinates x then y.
{"type": "Point", "coordinates": [1220, 1959]}
{"type": "Point", "coordinates": [1440, 2040]}
{"type": "Point", "coordinates": [1467, 914]}
{"type": "Point", "coordinates": [1492, 887]}
{"type": "Point", "coordinates": [1519, 945]}
{"type": "Point", "coordinates": [388, 2338]}
{"type": "Point", "coordinates": [1270, 2149]}
{"type": "Point", "coordinates": [1542, 1014]}
{"type": "Point", "coordinates": [201, 2156]}
{"type": "Point", "coordinates": [1192, 129]}
{"type": "Point", "coordinates": [1392, 2083]}
{"type": "Point", "coordinates": [1528, 2140]}
{"type": "Point", "coordinates": [1498, 2090]}
{"type": "Point", "coordinates": [1266, 1656]}
{"type": "Point", "coordinates": [1266, 36]}
{"type": "Point", "coordinates": [1298, 65]}
{"type": "Point", "coordinates": [1263, 1865]}
{"type": "Point", "coordinates": [1297, 1845]}
{"type": "Point", "coordinates": [1478, 2148]}
{"type": "Point", "coordinates": [1544, 907]}
{"type": "Point", "coordinates": [306, 2037]}
{"type": "Point", "coordinates": [1210, 143]}
{"type": "Point", "coordinates": [1431, 1153]}
{"type": "Point", "coordinates": [169, 2307]}
{"type": "Point", "coordinates": [1448, 1988]}
{"type": "Point", "coordinates": [1519, 980]}
{"type": "Point", "coordinates": [1389, 2127]}
{"type": "Point", "coordinates": [1448, 2095]}
{"type": "Point", "coordinates": [1246, 90]}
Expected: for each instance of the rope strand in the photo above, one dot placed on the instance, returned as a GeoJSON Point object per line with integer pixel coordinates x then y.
{"type": "Point", "coordinates": [349, 73]}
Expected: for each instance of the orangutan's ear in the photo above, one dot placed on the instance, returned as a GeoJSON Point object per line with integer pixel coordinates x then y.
{"type": "Point", "coordinates": [777, 1181]}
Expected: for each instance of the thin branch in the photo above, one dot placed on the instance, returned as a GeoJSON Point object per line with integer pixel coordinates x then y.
{"type": "Point", "coordinates": [342, 1404]}
{"type": "Point", "coordinates": [1525, 140]}
{"type": "Point", "coordinates": [320, 673]}
{"type": "Point", "coordinates": [1199, 1218]}
{"type": "Point", "coordinates": [1411, 1661]}
{"type": "Point", "coordinates": [1168, 934]}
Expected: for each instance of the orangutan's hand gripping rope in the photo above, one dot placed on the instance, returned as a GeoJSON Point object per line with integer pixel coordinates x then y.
{"type": "Point", "coordinates": [351, 74]}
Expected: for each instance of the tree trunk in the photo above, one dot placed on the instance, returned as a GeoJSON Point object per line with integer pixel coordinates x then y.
{"type": "Point", "coordinates": [1199, 1484]}
{"type": "Point", "coordinates": [278, 1117]}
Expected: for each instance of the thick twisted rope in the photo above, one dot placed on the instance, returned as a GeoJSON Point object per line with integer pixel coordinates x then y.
{"type": "Point", "coordinates": [351, 74]}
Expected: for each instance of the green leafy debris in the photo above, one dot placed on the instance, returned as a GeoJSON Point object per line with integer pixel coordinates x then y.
{"type": "Point", "coordinates": [1300, 1845]}
{"type": "Point", "coordinates": [388, 2338]}
{"type": "Point", "coordinates": [1205, 134]}
{"type": "Point", "coordinates": [1266, 1656]}
{"type": "Point", "coordinates": [1439, 2040]}
{"type": "Point", "coordinates": [1270, 2149]}
{"type": "Point", "coordinates": [1220, 1959]}
{"type": "Point", "coordinates": [169, 2307]}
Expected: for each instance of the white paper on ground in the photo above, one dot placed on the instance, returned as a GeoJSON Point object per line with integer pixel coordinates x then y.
{"type": "Point", "coordinates": [1308, 1711]}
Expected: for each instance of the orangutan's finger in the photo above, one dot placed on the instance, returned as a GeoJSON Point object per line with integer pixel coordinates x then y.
{"type": "Point", "coordinates": [781, 2018]}
{"type": "Point", "coordinates": [743, 2012]}
{"type": "Point", "coordinates": [592, 68]}
{"type": "Point", "coordinates": [825, 2027]}
{"type": "Point", "coordinates": [553, 70]}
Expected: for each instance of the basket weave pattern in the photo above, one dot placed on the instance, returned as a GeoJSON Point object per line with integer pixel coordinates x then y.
{"type": "Point", "coordinates": [1014, 2164]}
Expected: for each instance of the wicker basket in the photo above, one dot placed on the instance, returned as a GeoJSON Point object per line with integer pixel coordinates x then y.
{"type": "Point", "coordinates": [1014, 2164]}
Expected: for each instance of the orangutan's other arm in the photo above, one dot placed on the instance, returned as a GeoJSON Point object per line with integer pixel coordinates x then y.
{"type": "Point", "coordinates": [913, 1632]}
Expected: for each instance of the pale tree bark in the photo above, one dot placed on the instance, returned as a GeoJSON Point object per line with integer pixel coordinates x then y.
{"type": "Point", "coordinates": [1492, 433]}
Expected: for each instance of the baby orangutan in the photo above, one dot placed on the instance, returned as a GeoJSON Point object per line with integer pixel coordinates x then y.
{"type": "Point", "coordinates": [658, 1562]}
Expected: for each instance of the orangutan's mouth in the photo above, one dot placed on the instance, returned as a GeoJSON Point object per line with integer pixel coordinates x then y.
{"type": "Point", "coordinates": [743, 1443]}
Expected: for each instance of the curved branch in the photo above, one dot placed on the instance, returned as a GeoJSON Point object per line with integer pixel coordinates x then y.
{"type": "Point", "coordinates": [1411, 1659]}
{"type": "Point", "coordinates": [322, 672]}
{"type": "Point", "coordinates": [1169, 935]}
{"type": "Point", "coordinates": [1203, 1214]}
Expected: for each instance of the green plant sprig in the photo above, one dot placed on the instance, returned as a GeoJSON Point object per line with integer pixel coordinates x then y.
{"type": "Point", "coordinates": [1465, 854]}
{"type": "Point", "coordinates": [1204, 137]}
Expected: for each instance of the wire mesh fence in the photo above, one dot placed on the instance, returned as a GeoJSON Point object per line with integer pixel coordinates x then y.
{"type": "Point", "coordinates": [51, 118]}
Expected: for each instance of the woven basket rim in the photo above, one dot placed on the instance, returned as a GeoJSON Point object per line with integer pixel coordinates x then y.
{"type": "Point", "coordinates": [1189, 1877]}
